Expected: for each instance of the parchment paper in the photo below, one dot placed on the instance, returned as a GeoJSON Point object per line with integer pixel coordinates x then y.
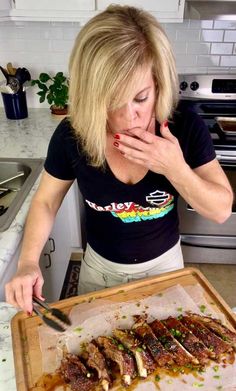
{"type": "Point", "coordinates": [100, 317]}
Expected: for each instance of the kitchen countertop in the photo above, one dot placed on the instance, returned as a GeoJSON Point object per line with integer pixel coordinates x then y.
{"type": "Point", "coordinates": [26, 138]}
{"type": "Point", "coordinates": [7, 371]}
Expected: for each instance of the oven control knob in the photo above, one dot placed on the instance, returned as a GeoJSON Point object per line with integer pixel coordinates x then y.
{"type": "Point", "coordinates": [183, 85]}
{"type": "Point", "coordinates": [194, 86]}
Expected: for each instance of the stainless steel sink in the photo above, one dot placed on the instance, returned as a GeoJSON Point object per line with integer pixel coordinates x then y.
{"type": "Point", "coordinates": [17, 177]}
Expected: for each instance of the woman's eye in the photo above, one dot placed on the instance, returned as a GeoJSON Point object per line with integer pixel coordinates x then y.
{"type": "Point", "coordinates": [140, 100]}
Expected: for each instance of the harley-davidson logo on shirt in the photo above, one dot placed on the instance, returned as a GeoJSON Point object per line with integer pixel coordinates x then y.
{"type": "Point", "coordinates": [130, 212]}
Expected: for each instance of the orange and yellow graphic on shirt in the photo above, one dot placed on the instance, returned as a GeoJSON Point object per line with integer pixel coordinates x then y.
{"type": "Point", "coordinates": [129, 212]}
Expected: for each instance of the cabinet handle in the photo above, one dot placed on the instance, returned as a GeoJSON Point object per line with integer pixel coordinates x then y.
{"type": "Point", "coordinates": [52, 244]}
{"type": "Point", "coordinates": [49, 261]}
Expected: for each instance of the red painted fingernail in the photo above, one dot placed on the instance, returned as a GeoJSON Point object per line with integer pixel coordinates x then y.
{"type": "Point", "coordinates": [166, 124]}
{"type": "Point", "coordinates": [116, 144]}
{"type": "Point", "coordinates": [117, 136]}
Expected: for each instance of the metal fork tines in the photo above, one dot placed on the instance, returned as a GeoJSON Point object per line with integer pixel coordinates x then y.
{"type": "Point", "coordinates": [61, 319]}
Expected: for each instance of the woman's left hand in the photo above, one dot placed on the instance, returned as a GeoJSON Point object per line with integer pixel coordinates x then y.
{"type": "Point", "coordinates": [161, 155]}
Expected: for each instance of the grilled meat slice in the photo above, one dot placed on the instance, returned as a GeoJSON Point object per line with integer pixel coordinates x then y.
{"type": "Point", "coordinates": [218, 328]}
{"type": "Point", "coordinates": [160, 355]}
{"type": "Point", "coordinates": [144, 361]}
{"type": "Point", "coordinates": [211, 340]}
{"type": "Point", "coordinates": [76, 374]}
{"type": "Point", "coordinates": [96, 360]}
{"type": "Point", "coordinates": [116, 352]}
{"type": "Point", "coordinates": [187, 339]}
{"type": "Point", "coordinates": [181, 355]}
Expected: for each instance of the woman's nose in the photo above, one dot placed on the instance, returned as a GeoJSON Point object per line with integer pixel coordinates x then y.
{"type": "Point", "coordinates": [129, 112]}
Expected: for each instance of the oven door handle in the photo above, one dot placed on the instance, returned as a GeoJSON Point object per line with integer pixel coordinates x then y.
{"type": "Point", "coordinates": [225, 158]}
{"type": "Point", "coordinates": [209, 241]}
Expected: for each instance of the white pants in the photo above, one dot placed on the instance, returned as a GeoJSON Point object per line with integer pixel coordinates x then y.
{"type": "Point", "coordinates": [98, 273]}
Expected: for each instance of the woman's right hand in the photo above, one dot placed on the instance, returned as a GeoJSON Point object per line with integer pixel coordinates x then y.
{"type": "Point", "coordinates": [28, 281]}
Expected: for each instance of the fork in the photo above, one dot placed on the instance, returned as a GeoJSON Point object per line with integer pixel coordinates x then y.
{"type": "Point", "coordinates": [58, 314]}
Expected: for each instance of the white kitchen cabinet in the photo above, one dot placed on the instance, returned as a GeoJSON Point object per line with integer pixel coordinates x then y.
{"type": "Point", "coordinates": [168, 9]}
{"type": "Point", "coordinates": [5, 7]}
{"type": "Point", "coordinates": [82, 10]}
{"type": "Point", "coordinates": [64, 239]}
{"type": "Point", "coordinates": [65, 236]}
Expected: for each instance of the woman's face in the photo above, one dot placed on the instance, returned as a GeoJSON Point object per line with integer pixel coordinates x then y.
{"type": "Point", "coordinates": [139, 111]}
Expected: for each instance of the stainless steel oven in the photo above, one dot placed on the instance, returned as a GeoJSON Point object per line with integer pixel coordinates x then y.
{"type": "Point", "coordinates": [213, 97]}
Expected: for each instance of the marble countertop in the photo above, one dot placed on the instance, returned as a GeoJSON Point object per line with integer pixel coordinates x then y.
{"type": "Point", "coordinates": [26, 138]}
{"type": "Point", "coordinates": [7, 371]}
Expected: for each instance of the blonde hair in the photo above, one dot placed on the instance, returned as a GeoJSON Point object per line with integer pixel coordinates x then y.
{"type": "Point", "coordinates": [108, 53]}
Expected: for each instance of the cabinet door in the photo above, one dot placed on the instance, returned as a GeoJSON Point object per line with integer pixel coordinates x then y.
{"type": "Point", "coordinates": [56, 255]}
{"type": "Point", "coordinates": [151, 5]}
{"type": "Point", "coordinates": [5, 4]}
{"type": "Point", "coordinates": [55, 5]}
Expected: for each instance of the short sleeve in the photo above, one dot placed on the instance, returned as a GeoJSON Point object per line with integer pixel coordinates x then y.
{"type": "Point", "coordinates": [59, 154]}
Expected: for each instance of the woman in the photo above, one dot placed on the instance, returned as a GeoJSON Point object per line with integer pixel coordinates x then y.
{"type": "Point", "coordinates": [132, 152]}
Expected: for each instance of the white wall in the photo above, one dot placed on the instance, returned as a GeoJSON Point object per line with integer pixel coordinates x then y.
{"type": "Point", "coordinates": [204, 46]}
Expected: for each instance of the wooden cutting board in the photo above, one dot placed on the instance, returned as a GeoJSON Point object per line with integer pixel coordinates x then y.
{"type": "Point", "coordinates": [26, 348]}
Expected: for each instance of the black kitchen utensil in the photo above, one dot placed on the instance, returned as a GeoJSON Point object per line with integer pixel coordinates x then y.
{"type": "Point", "coordinates": [22, 75]}
{"type": "Point", "coordinates": [61, 320]}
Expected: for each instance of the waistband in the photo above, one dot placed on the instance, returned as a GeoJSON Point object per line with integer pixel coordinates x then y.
{"type": "Point", "coordinates": [97, 260]}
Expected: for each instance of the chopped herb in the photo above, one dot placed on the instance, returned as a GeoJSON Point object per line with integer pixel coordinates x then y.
{"type": "Point", "coordinates": [124, 317]}
{"type": "Point", "coordinates": [121, 347]}
{"type": "Point", "coordinates": [219, 388]}
{"type": "Point", "coordinates": [217, 377]}
{"type": "Point", "coordinates": [78, 329]}
{"type": "Point", "coordinates": [4, 359]}
{"type": "Point", "coordinates": [139, 349]}
{"type": "Point", "coordinates": [160, 294]}
{"type": "Point", "coordinates": [211, 348]}
{"type": "Point", "coordinates": [169, 381]}
{"type": "Point", "coordinates": [180, 309]}
{"type": "Point", "coordinates": [202, 308]}
{"type": "Point", "coordinates": [197, 385]}
{"type": "Point", "coordinates": [225, 338]}
{"type": "Point", "coordinates": [175, 333]}
{"type": "Point", "coordinates": [138, 304]}
{"type": "Point", "coordinates": [216, 368]}
{"type": "Point", "coordinates": [157, 378]}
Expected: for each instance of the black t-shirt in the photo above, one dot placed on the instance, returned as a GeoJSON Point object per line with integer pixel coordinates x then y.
{"type": "Point", "coordinates": [129, 223]}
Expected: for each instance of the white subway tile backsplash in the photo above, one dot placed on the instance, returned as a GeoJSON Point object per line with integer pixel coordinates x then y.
{"type": "Point", "coordinates": [212, 35]}
{"type": "Point", "coordinates": [186, 60]}
{"type": "Point", "coordinates": [208, 60]}
{"type": "Point", "coordinates": [225, 24]}
{"type": "Point", "coordinates": [228, 61]}
{"type": "Point", "coordinates": [64, 47]}
{"type": "Point", "coordinates": [200, 46]}
{"type": "Point", "coordinates": [201, 24]}
{"type": "Point", "coordinates": [221, 48]}
{"type": "Point", "coordinates": [180, 48]}
{"type": "Point", "coordinates": [188, 35]}
{"type": "Point", "coordinates": [230, 36]}
{"type": "Point", "coordinates": [222, 70]}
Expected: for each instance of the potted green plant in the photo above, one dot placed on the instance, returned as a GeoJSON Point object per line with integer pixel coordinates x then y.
{"type": "Point", "coordinates": [55, 90]}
